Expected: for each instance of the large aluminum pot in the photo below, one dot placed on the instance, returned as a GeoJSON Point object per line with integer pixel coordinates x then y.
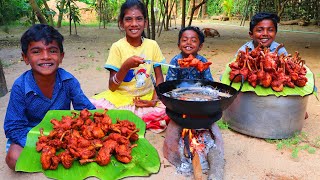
{"type": "Point", "coordinates": [266, 117]}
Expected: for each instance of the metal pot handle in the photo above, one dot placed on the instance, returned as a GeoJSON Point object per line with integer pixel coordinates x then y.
{"type": "Point", "coordinates": [242, 81]}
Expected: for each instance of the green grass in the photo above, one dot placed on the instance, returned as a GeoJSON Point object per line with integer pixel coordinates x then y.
{"type": "Point", "coordinates": [6, 29]}
{"type": "Point", "coordinates": [222, 124]}
{"type": "Point", "coordinates": [99, 68]}
{"type": "Point", "coordinates": [82, 66]}
{"type": "Point", "coordinates": [91, 55]}
{"type": "Point", "coordinates": [297, 143]}
{"type": "Point", "coordinates": [89, 24]}
{"type": "Point", "coordinates": [6, 64]}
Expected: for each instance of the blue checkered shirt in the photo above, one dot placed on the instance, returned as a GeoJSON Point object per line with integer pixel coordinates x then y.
{"type": "Point", "coordinates": [27, 105]}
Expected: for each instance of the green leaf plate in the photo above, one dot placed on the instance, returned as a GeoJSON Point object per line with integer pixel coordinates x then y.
{"type": "Point", "coordinates": [262, 91]}
{"type": "Point", "coordinates": [145, 159]}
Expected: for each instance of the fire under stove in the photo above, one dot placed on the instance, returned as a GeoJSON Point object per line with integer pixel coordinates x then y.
{"type": "Point", "coordinates": [194, 145]}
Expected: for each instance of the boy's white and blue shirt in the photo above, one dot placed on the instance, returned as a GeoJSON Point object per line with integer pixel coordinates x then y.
{"type": "Point", "coordinates": [272, 47]}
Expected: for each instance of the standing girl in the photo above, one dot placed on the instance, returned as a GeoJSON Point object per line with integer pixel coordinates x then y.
{"type": "Point", "coordinates": [130, 85]}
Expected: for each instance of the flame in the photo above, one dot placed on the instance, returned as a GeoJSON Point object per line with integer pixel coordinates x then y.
{"type": "Point", "coordinates": [193, 139]}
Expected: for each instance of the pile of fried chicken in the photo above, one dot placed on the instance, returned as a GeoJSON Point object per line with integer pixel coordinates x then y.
{"type": "Point", "coordinates": [191, 61]}
{"type": "Point", "coordinates": [268, 69]}
{"type": "Point", "coordinates": [77, 137]}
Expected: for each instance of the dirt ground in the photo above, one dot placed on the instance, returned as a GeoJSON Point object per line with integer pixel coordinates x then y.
{"type": "Point", "coordinates": [246, 157]}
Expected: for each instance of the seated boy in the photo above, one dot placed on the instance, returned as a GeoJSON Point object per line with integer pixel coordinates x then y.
{"type": "Point", "coordinates": [45, 87]}
{"type": "Point", "coordinates": [190, 41]}
{"type": "Point", "coordinates": [263, 29]}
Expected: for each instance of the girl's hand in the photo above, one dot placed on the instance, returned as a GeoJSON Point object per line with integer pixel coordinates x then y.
{"type": "Point", "coordinates": [134, 61]}
{"type": "Point", "coordinates": [144, 103]}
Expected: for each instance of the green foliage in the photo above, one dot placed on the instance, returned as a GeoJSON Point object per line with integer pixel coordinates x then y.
{"type": "Point", "coordinates": [222, 124]}
{"type": "Point", "coordinates": [75, 13]}
{"type": "Point", "coordinates": [6, 29]}
{"type": "Point", "coordinates": [298, 142]}
{"type": "Point", "coordinates": [238, 7]}
{"type": "Point", "coordinates": [227, 6]}
{"type": "Point", "coordinates": [214, 7]}
{"type": "Point", "coordinates": [89, 2]}
{"type": "Point", "coordinates": [109, 10]}
{"type": "Point", "coordinates": [99, 68]}
{"type": "Point", "coordinates": [12, 10]}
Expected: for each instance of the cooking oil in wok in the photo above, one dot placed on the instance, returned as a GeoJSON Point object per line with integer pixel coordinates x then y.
{"type": "Point", "coordinates": [197, 93]}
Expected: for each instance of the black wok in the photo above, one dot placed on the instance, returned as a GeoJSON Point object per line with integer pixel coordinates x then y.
{"type": "Point", "coordinates": [204, 108]}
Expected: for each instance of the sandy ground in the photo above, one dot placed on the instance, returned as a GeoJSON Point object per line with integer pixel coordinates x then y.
{"type": "Point", "coordinates": [246, 157]}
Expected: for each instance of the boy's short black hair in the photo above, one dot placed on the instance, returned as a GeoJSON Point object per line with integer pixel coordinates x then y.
{"type": "Point", "coordinates": [41, 32]}
{"type": "Point", "coordinates": [262, 16]}
{"type": "Point", "coordinates": [195, 29]}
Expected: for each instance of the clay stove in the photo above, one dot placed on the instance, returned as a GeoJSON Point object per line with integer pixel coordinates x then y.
{"type": "Point", "coordinates": [195, 115]}
{"type": "Point", "coordinates": [206, 158]}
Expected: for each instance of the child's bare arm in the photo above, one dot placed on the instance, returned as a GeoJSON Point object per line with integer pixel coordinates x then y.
{"type": "Point", "coordinates": [116, 78]}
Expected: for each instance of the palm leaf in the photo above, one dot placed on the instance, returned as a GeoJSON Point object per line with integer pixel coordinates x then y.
{"type": "Point", "coordinates": [145, 159]}
{"type": "Point", "coordinates": [262, 91]}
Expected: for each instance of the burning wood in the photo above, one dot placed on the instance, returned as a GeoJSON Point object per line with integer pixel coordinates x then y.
{"type": "Point", "coordinates": [195, 145]}
{"type": "Point", "coordinates": [197, 169]}
{"type": "Point", "coordinates": [211, 157]}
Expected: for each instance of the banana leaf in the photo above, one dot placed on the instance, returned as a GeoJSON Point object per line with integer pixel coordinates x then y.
{"type": "Point", "coordinates": [262, 91]}
{"type": "Point", "coordinates": [145, 159]}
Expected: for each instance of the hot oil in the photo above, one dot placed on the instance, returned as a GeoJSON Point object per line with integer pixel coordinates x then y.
{"type": "Point", "coordinates": [204, 93]}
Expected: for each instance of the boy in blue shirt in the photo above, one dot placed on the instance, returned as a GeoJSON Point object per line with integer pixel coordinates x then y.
{"type": "Point", "coordinates": [190, 41]}
{"type": "Point", "coordinates": [45, 87]}
{"type": "Point", "coordinates": [263, 29]}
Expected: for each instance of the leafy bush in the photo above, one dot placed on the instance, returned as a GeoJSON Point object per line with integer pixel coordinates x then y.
{"type": "Point", "coordinates": [214, 7]}
{"type": "Point", "coordinates": [12, 10]}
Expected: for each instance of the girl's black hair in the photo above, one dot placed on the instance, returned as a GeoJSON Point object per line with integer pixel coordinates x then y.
{"type": "Point", "coordinates": [262, 16]}
{"type": "Point", "coordinates": [195, 29]}
{"type": "Point", "coordinates": [132, 4]}
{"type": "Point", "coordinates": [41, 32]}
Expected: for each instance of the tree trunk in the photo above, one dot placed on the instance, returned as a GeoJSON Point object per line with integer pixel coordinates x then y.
{"type": "Point", "coordinates": [70, 17]}
{"type": "Point", "coordinates": [163, 19]}
{"type": "Point", "coordinates": [48, 9]}
{"type": "Point", "coordinates": [290, 22]}
{"type": "Point", "coordinates": [183, 12]}
{"type": "Point", "coordinates": [280, 7]}
{"type": "Point", "coordinates": [166, 12]}
{"type": "Point", "coordinates": [243, 20]}
{"type": "Point", "coordinates": [38, 12]}
{"type": "Point", "coordinates": [104, 15]}
{"type": "Point", "coordinates": [170, 11]}
{"type": "Point", "coordinates": [146, 2]}
{"type": "Point", "coordinates": [3, 84]}
{"type": "Point", "coordinates": [60, 16]}
{"type": "Point", "coordinates": [194, 8]}
{"type": "Point", "coordinates": [99, 6]}
{"type": "Point", "coordinates": [204, 11]}
{"type": "Point", "coordinates": [153, 21]}
{"type": "Point", "coordinates": [33, 17]}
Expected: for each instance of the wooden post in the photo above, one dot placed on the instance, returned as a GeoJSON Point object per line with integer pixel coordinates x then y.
{"type": "Point", "coordinates": [196, 164]}
{"type": "Point", "coordinates": [3, 84]}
